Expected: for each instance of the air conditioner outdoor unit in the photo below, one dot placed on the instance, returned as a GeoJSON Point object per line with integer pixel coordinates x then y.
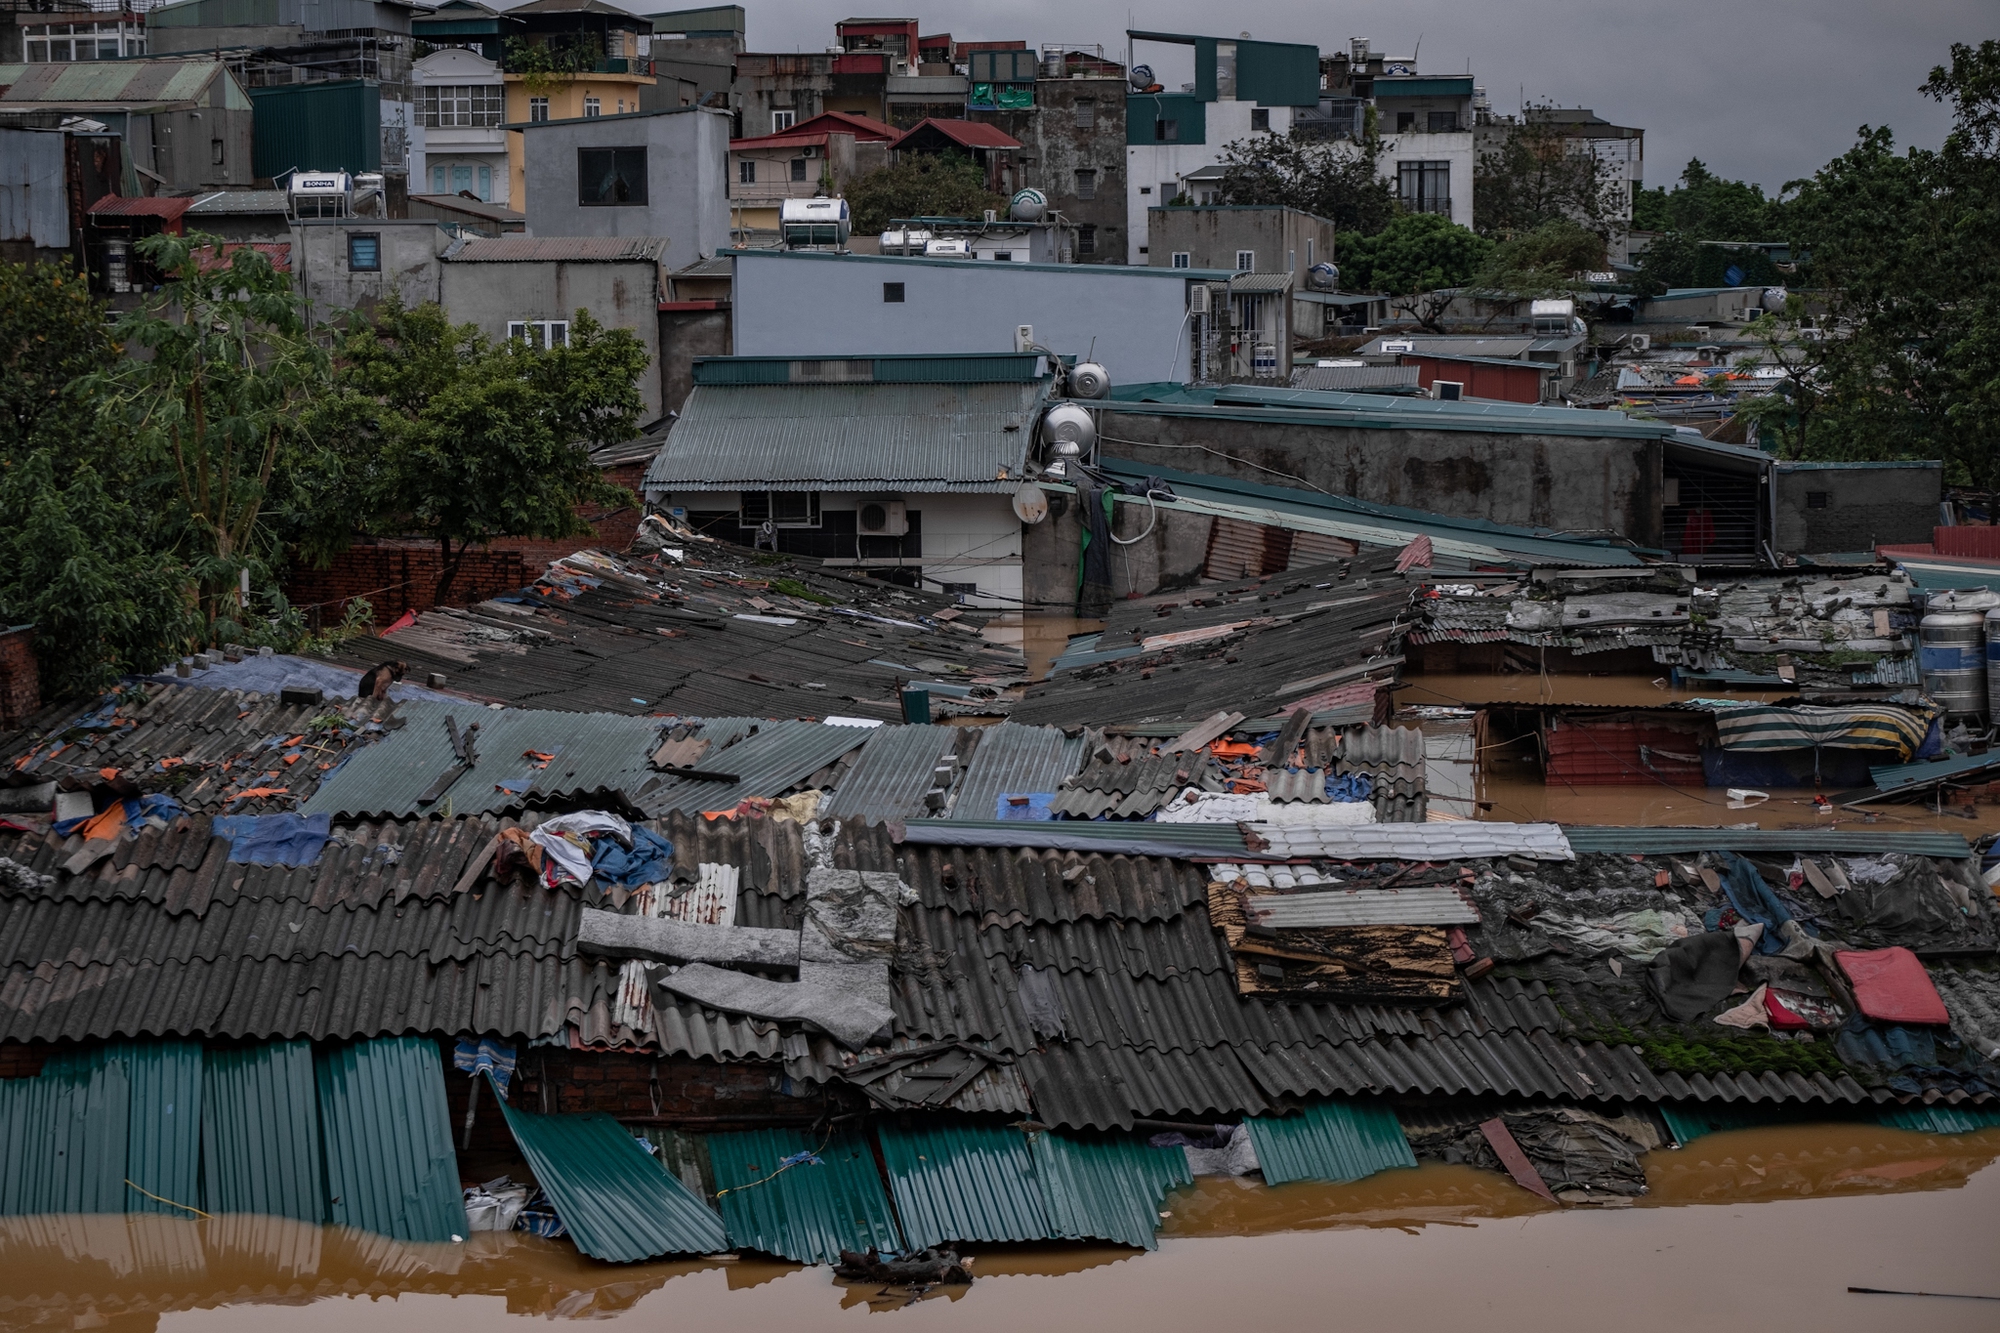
{"type": "Point", "coordinates": [1753, 312]}
{"type": "Point", "coordinates": [1198, 299]}
{"type": "Point", "coordinates": [1448, 390]}
{"type": "Point", "coordinates": [882, 518]}
{"type": "Point", "coordinates": [1640, 342]}
{"type": "Point", "coordinates": [810, 150]}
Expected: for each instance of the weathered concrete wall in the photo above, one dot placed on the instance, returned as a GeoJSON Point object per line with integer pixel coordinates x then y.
{"type": "Point", "coordinates": [624, 295]}
{"type": "Point", "coordinates": [1171, 555]}
{"type": "Point", "coordinates": [408, 254]}
{"type": "Point", "coordinates": [684, 335]}
{"type": "Point", "coordinates": [1570, 483]}
{"type": "Point", "coordinates": [1829, 507]}
{"type": "Point", "coordinates": [687, 164]}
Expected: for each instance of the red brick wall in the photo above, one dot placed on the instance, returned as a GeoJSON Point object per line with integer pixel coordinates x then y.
{"type": "Point", "coordinates": [20, 1059]}
{"type": "Point", "coordinates": [20, 679]}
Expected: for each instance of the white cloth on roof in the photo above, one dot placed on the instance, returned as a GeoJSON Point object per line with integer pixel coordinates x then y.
{"type": "Point", "coordinates": [572, 858]}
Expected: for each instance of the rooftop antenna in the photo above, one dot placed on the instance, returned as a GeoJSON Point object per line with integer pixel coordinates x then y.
{"type": "Point", "coordinates": [1414, 66]}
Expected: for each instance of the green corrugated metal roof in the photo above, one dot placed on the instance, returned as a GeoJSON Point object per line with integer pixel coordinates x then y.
{"type": "Point", "coordinates": [390, 1167]}
{"type": "Point", "coordinates": [1909, 777]}
{"type": "Point", "coordinates": [1942, 1119]}
{"type": "Point", "coordinates": [1335, 1140]}
{"type": "Point", "coordinates": [163, 1147]}
{"type": "Point", "coordinates": [260, 1147]}
{"type": "Point", "coordinates": [845, 437]}
{"type": "Point", "coordinates": [956, 1181]}
{"type": "Point", "coordinates": [904, 368]}
{"type": "Point", "coordinates": [63, 1141]}
{"type": "Point", "coordinates": [1419, 85]}
{"type": "Point", "coordinates": [1689, 1121]}
{"type": "Point", "coordinates": [810, 1212]}
{"type": "Point", "coordinates": [618, 1203]}
{"type": "Point", "coordinates": [1106, 1188]}
{"type": "Point", "coordinates": [1686, 841]}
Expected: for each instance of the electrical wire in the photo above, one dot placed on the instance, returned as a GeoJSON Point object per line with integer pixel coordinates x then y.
{"type": "Point", "coordinates": [1242, 462]}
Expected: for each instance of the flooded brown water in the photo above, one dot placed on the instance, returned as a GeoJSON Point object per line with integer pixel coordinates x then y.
{"type": "Point", "coordinates": [1042, 637]}
{"type": "Point", "coordinates": [1758, 1228]}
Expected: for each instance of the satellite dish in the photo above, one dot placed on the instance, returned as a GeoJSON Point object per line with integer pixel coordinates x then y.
{"type": "Point", "coordinates": [1031, 505]}
{"type": "Point", "coordinates": [1141, 77]}
{"type": "Point", "coordinates": [1087, 379]}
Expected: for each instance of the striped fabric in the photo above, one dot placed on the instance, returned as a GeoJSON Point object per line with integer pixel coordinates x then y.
{"type": "Point", "coordinates": [1761, 727]}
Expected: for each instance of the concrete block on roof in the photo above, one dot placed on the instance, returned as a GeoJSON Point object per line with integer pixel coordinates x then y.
{"type": "Point", "coordinates": [616, 935]}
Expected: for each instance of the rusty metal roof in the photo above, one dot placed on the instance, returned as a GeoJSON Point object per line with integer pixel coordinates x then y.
{"type": "Point", "coordinates": [110, 82]}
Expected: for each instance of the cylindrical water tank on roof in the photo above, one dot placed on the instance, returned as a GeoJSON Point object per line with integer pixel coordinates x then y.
{"type": "Point", "coordinates": [1952, 652]}
{"type": "Point", "coordinates": [1992, 657]}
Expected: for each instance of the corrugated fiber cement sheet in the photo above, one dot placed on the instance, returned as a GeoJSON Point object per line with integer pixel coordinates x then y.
{"type": "Point", "coordinates": [1335, 1140]}
{"type": "Point", "coordinates": [390, 1167]}
{"type": "Point", "coordinates": [619, 1204]}
{"type": "Point", "coordinates": [808, 1212]}
{"type": "Point", "coordinates": [1687, 841]}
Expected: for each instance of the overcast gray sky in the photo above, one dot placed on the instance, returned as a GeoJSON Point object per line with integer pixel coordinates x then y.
{"type": "Point", "coordinates": [1763, 90]}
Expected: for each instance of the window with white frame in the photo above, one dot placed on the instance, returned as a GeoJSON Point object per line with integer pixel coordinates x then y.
{"type": "Point", "coordinates": [62, 42]}
{"type": "Point", "coordinates": [1183, 259]}
{"type": "Point", "coordinates": [449, 106]}
{"type": "Point", "coordinates": [540, 334]}
{"type": "Point", "coordinates": [783, 120]}
{"type": "Point", "coordinates": [746, 171]}
{"type": "Point", "coordinates": [1246, 261]}
{"type": "Point", "coordinates": [538, 108]}
{"type": "Point", "coordinates": [592, 107]}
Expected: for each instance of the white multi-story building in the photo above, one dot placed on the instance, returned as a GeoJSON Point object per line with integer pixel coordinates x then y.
{"type": "Point", "coordinates": [1427, 141]}
{"type": "Point", "coordinates": [1174, 141]}
{"type": "Point", "coordinates": [458, 145]}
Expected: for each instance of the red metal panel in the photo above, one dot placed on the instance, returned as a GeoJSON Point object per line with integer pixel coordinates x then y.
{"type": "Point", "coordinates": [1981, 542]}
{"type": "Point", "coordinates": [1620, 754]}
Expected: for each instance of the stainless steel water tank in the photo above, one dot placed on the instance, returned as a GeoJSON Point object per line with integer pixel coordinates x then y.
{"type": "Point", "coordinates": [1952, 651]}
{"type": "Point", "coordinates": [1992, 656]}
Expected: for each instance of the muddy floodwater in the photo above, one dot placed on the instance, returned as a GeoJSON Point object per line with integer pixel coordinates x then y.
{"type": "Point", "coordinates": [1763, 1228]}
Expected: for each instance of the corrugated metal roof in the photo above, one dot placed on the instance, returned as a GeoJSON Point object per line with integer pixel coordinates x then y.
{"type": "Point", "coordinates": [896, 767]}
{"type": "Point", "coordinates": [807, 1213]}
{"type": "Point", "coordinates": [559, 250]}
{"type": "Point", "coordinates": [63, 1141]}
{"type": "Point", "coordinates": [112, 82]}
{"type": "Point", "coordinates": [1252, 284]}
{"type": "Point", "coordinates": [1106, 1188]}
{"type": "Point", "coordinates": [593, 752]}
{"type": "Point", "coordinates": [1013, 760]}
{"type": "Point", "coordinates": [240, 201]}
{"type": "Point", "coordinates": [1335, 906]}
{"type": "Point", "coordinates": [1338, 1140]}
{"type": "Point", "coordinates": [112, 205]}
{"type": "Point", "coordinates": [1222, 841]}
{"type": "Point", "coordinates": [1685, 841]}
{"type": "Point", "coordinates": [390, 1168]}
{"type": "Point", "coordinates": [1456, 840]}
{"type": "Point", "coordinates": [163, 1150]}
{"type": "Point", "coordinates": [773, 761]}
{"type": "Point", "coordinates": [955, 1181]}
{"type": "Point", "coordinates": [617, 1201]}
{"type": "Point", "coordinates": [898, 368]}
{"type": "Point", "coordinates": [866, 437]}
{"type": "Point", "coordinates": [1942, 1119]}
{"type": "Point", "coordinates": [1909, 777]}
{"type": "Point", "coordinates": [260, 1132]}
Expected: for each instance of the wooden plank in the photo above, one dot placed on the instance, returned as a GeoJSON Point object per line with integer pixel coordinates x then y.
{"type": "Point", "coordinates": [1201, 733]}
{"type": "Point", "coordinates": [1516, 1161]}
{"type": "Point", "coordinates": [477, 866]}
{"type": "Point", "coordinates": [1280, 751]}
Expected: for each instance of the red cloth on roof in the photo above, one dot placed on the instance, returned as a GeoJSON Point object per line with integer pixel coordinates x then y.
{"type": "Point", "coordinates": [1891, 986]}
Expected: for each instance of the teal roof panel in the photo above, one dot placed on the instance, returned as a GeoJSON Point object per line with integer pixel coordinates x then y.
{"type": "Point", "coordinates": [1335, 1140]}
{"type": "Point", "coordinates": [260, 1146]}
{"type": "Point", "coordinates": [619, 1204]}
{"type": "Point", "coordinates": [960, 1181]}
{"type": "Point", "coordinates": [808, 1212]}
{"type": "Point", "coordinates": [1106, 1188]}
{"type": "Point", "coordinates": [390, 1167]}
{"type": "Point", "coordinates": [1687, 841]}
{"type": "Point", "coordinates": [163, 1150]}
{"type": "Point", "coordinates": [1419, 85]}
{"type": "Point", "coordinates": [902, 437]}
{"type": "Point", "coordinates": [63, 1141]}
{"type": "Point", "coordinates": [905, 368]}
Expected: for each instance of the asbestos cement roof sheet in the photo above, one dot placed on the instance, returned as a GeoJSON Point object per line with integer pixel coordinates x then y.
{"type": "Point", "coordinates": [808, 1212]}
{"type": "Point", "coordinates": [1334, 906]}
{"type": "Point", "coordinates": [897, 766]}
{"type": "Point", "coordinates": [390, 1167]}
{"type": "Point", "coordinates": [850, 437]}
{"type": "Point", "coordinates": [593, 752]}
{"type": "Point", "coordinates": [1220, 841]}
{"type": "Point", "coordinates": [619, 1203]}
{"type": "Point", "coordinates": [1687, 841]}
{"type": "Point", "coordinates": [1337, 1140]}
{"type": "Point", "coordinates": [559, 249]}
{"type": "Point", "coordinates": [1014, 760]}
{"type": "Point", "coordinates": [1452, 841]}
{"type": "Point", "coordinates": [110, 81]}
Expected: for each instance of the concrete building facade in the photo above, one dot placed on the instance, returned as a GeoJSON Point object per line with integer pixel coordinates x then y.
{"type": "Point", "coordinates": [354, 263]}
{"type": "Point", "coordinates": [1072, 145]}
{"type": "Point", "coordinates": [458, 145]}
{"type": "Point", "coordinates": [643, 174]}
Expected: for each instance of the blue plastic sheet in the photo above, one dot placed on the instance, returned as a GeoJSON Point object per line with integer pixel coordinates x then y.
{"type": "Point", "coordinates": [274, 840]}
{"type": "Point", "coordinates": [486, 1055]}
{"type": "Point", "coordinates": [1034, 806]}
{"type": "Point", "coordinates": [650, 859]}
{"type": "Point", "coordinates": [137, 810]}
{"type": "Point", "coordinates": [1754, 901]}
{"type": "Point", "coordinates": [1349, 787]}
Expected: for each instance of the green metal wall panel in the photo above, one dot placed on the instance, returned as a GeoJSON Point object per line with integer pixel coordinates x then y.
{"type": "Point", "coordinates": [63, 1136]}
{"type": "Point", "coordinates": [1942, 1119]}
{"type": "Point", "coordinates": [1189, 112]}
{"type": "Point", "coordinates": [1106, 1188]}
{"type": "Point", "coordinates": [260, 1145]}
{"type": "Point", "coordinates": [956, 1182]}
{"type": "Point", "coordinates": [618, 1203]}
{"type": "Point", "coordinates": [1335, 1140]}
{"type": "Point", "coordinates": [163, 1148]}
{"type": "Point", "coordinates": [808, 1213]}
{"type": "Point", "coordinates": [1277, 73]}
{"type": "Point", "coordinates": [317, 127]}
{"type": "Point", "coordinates": [390, 1167]}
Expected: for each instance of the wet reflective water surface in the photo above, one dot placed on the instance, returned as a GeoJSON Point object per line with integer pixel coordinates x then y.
{"type": "Point", "coordinates": [1763, 1228]}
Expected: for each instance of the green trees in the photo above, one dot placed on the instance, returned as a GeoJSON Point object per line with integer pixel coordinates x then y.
{"type": "Point", "coordinates": [1333, 179]}
{"type": "Point", "coordinates": [1413, 257]}
{"type": "Point", "coordinates": [1533, 174]}
{"type": "Point", "coordinates": [942, 185]}
{"type": "Point", "coordinates": [1701, 209]}
{"type": "Point", "coordinates": [458, 439]}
